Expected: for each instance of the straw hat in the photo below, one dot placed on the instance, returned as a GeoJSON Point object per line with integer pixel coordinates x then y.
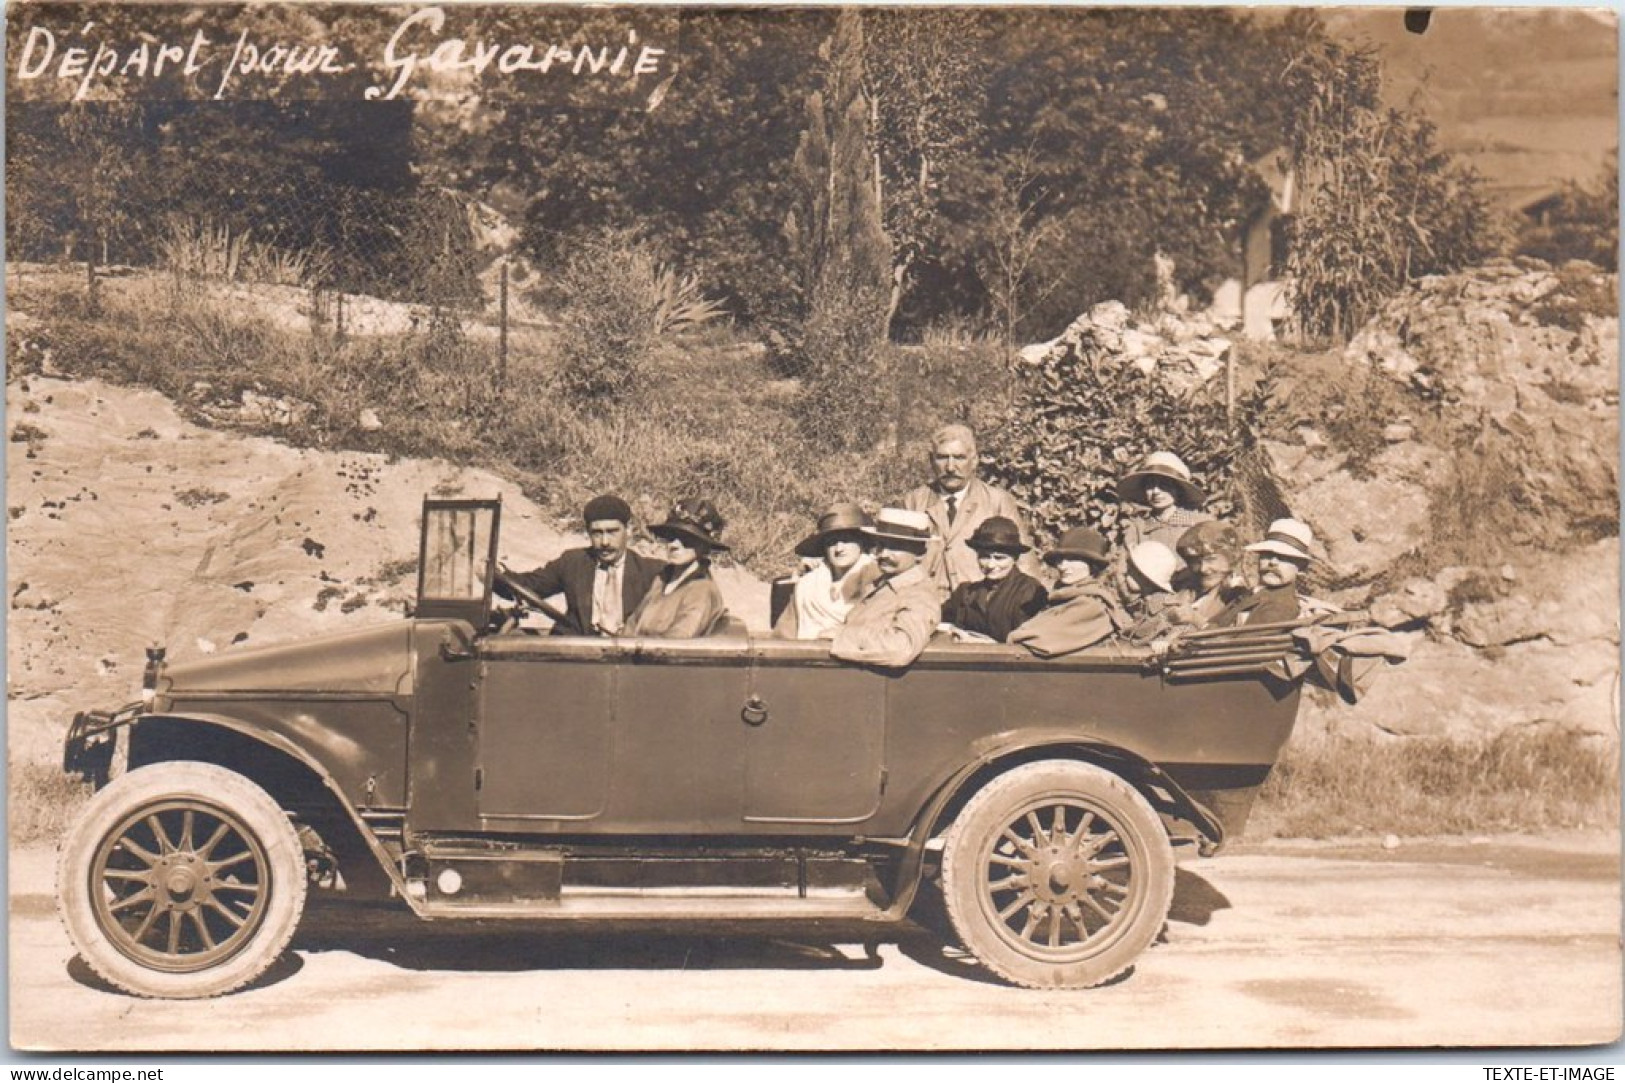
{"type": "Point", "coordinates": [838, 519]}
{"type": "Point", "coordinates": [1156, 562]}
{"type": "Point", "coordinates": [900, 525]}
{"type": "Point", "coordinates": [1168, 468]}
{"type": "Point", "coordinates": [1287, 538]}
{"type": "Point", "coordinates": [692, 521]}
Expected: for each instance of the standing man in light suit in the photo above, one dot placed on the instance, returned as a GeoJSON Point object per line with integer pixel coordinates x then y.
{"type": "Point", "coordinates": [957, 502]}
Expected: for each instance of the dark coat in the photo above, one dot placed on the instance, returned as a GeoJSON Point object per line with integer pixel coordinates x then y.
{"type": "Point", "coordinates": [570, 574]}
{"type": "Point", "coordinates": [1077, 617]}
{"type": "Point", "coordinates": [995, 608]}
{"type": "Point", "coordinates": [1266, 605]}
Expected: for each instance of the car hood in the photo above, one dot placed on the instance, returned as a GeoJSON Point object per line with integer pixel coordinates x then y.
{"type": "Point", "coordinates": [375, 661]}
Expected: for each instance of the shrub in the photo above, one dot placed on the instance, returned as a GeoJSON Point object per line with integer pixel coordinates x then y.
{"type": "Point", "coordinates": [1582, 225]}
{"type": "Point", "coordinates": [844, 403]}
{"type": "Point", "coordinates": [1082, 420]}
{"type": "Point", "coordinates": [196, 248]}
{"type": "Point", "coordinates": [1383, 204]}
{"type": "Point", "coordinates": [618, 302]}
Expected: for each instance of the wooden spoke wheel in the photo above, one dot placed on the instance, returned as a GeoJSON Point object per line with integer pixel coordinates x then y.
{"type": "Point", "coordinates": [1057, 874]}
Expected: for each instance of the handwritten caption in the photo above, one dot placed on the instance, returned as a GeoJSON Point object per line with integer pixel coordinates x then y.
{"type": "Point", "coordinates": [416, 56]}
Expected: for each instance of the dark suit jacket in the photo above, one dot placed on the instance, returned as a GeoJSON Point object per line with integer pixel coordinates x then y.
{"type": "Point", "coordinates": [571, 575]}
{"type": "Point", "coordinates": [1266, 605]}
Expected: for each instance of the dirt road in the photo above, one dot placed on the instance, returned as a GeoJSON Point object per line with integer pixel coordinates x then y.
{"type": "Point", "coordinates": [1489, 942]}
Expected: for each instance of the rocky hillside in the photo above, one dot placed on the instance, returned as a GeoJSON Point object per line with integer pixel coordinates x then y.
{"type": "Point", "coordinates": [129, 526]}
{"type": "Point", "coordinates": [1458, 463]}
{"type": "Point", "coordinates": [1502, 489]}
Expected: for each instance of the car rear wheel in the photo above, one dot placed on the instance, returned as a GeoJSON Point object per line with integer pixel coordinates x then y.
{"type": "Point", "coordinates": [181, 880]}
{"type": "Point", "coordinates": [1057, 874]}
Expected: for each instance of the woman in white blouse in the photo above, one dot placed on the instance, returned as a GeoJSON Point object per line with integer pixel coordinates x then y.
{"type": "Point", "coordinates": [826, 592]}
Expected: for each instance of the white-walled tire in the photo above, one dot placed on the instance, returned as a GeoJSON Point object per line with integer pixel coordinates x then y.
{"type": "Point", "coordinates": [181, 880]}
{"type": "Point", "coordinates": [1057, 874]}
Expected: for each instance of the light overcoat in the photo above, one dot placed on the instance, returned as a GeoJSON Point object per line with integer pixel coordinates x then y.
{"type": "Point", "coordinates": [949, 561]}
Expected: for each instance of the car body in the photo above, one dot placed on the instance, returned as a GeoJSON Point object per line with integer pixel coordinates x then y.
{"type": "Point", "coordinates": [479, 774]}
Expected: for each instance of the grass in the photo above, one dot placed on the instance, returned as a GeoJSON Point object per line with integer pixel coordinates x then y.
{"type": "Point", "coordinates": [1523, 780]}
{"type": "Point", "coordinates": [43, 803]}
{"type": "Point", "coordinates": [708, 419]}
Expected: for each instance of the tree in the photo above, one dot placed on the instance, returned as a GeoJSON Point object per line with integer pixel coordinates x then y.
{"type": "Point", "coordinates": [1584, 223]}
{"type": "Point", "coordinates": [924, 76]}
{"type": "Point", "coordinates": [839, 251]}
{"type": "Point", "coordinates": [1016, 235]}
{"type": "Point", "coordinates": [1383, 203]}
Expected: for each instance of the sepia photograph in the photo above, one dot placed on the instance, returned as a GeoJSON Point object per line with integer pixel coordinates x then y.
{"type": "Point", "coordinates": [623, 529]}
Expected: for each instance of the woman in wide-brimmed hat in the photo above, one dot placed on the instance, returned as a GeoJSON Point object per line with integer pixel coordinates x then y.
{"type": "Point", "coordinates": [1160, 500]}
{"type": "Point", "coordinates": [989, 609]}
{"type": "Point", "coordinates": [1082, 611]}
{"type": "Point", "coordinates": [684, 602]}
{"type": "Point", "coordinates": [826, 592]}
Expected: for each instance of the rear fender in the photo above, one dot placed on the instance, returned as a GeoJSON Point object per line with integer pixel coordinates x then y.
{"type": "Point", "coordinates": [997, 753]}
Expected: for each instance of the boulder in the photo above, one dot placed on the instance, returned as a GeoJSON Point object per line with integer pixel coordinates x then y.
{"type": "Point", "coordinates": [1365, 523]}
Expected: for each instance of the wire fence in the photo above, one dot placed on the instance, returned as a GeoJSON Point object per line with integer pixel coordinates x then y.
{"type": "Point", "coordinates": [346, 261]}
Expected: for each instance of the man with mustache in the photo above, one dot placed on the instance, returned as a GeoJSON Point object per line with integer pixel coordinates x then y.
{"type": "Point", "coordinates": [601, 583]}
{"type": "Point", "coordinates": [957, 502]}
{"type": "Point", "coordinates": [893, 622]}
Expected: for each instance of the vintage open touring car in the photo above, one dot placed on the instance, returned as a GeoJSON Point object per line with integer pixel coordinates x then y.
{"type": "Point", "coordinates": [487, 774]}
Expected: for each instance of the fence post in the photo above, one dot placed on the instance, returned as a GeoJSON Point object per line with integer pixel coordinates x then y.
{"type": "Point", "coordinates": [338, 323]}
{"type": "Point", "coordinates": [502, 332]}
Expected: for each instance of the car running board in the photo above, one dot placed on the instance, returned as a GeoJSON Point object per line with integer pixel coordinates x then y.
{"type": "Point", "coordinates": [552, 885]}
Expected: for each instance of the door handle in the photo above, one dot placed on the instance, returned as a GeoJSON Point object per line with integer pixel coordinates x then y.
{"type": "Point", "coordinates": [755, 711]}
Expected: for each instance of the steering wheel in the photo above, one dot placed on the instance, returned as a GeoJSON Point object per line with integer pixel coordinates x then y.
{"type": "Point", "coordinates": [515, 590]}
{"type": "Point", "coordinates": [524, 600]}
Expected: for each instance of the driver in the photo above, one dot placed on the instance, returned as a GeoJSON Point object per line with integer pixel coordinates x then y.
{"type": "Point", "coordinates": [602, 583]}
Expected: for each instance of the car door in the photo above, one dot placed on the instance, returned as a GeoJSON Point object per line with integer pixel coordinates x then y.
{"type": "Point", "coordinates": [545, 731]}
{"type": "Point", "coordinates": [816, 739]}
{"type": "Point", "coordinates": [679, 737]}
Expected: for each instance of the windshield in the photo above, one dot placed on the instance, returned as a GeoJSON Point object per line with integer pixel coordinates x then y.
{"type": "Point", "coordinates": [457, 559]}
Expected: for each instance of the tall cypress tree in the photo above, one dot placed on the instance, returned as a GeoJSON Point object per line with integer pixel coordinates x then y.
{"type": "Point", "coordinates": [841, 254]}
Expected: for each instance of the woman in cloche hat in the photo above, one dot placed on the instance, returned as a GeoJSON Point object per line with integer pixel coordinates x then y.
{"type": "Point", "coordinates": [989, 609]}
{"type": "Point", "coordinates": [826, 592]}
{"type": "Point", "coordinates": [684, 602]}
{"type": "Point", "coordinates": [1082, 611]}
{"type": "Point", "coordinates": [1162, 502]}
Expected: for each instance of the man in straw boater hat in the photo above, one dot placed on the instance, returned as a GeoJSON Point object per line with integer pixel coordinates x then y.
{"type": "Point", "coordinates": [957, 502]}
{"type": "Point", "coordinates": [1282, 556]}
{"type": "Point", "coordinates": [1168, 501]}
{"type": "Point", "coordinates": [990, 608]}
{"type": "Point", "coordinates": [601, 583]}
{"type": "Point", "coordinates": [1082, 611]}
{"type": "Point", "coordinates": [892, 623]}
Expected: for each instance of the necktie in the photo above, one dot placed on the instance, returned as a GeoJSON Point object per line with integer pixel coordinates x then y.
{"type": "Point", "coordinates": [953, 507]}
{"type": "Point", "coordinates": [606, 599]}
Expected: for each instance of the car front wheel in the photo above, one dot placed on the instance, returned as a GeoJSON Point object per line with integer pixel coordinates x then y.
{"type": "Point", "coordinates": [181, 880]}
{"type": "Point", "coordinates": [1057, 874]}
